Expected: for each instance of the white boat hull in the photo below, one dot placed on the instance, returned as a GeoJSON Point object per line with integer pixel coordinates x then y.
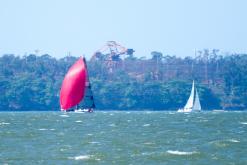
{"type": "Point", "coordinates": [78, 110]}
{"type": "Point", "coordinates": [83, 110]}
{"type": "Point", "coordinates": [184, 110]}
{"type": "Point", "coordinates": [188, 110]}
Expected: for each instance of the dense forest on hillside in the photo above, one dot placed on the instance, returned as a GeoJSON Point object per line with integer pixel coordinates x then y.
{"type": "Point", "coordinates": [162, 82]}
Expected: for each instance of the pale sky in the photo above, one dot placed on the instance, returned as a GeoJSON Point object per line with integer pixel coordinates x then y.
{"type": "Point", "coordinates": [174, 27]}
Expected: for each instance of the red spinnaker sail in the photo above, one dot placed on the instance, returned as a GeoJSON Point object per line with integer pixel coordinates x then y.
{"type": "Point", "coordinates": [73, 87]}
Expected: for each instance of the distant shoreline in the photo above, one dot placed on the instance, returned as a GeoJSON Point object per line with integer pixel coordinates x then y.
{"type": "Point", "coordinates": [158, 83]}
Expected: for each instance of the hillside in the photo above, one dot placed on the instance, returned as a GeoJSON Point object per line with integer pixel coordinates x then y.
{"type": "Point", "coordinates": [162, 82]}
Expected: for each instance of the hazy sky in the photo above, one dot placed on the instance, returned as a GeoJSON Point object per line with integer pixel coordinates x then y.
{"type": "Point", "coordinates": [174, 27]}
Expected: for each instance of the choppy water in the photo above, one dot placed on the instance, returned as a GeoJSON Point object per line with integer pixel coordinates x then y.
{"type": "Point", "coordinates": [123, 138]}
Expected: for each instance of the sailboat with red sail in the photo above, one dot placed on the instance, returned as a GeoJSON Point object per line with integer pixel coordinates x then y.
{"type": "Point", "coordinates": [76, 93]}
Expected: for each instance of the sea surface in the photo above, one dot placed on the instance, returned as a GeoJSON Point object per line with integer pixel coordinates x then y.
{"type": "Point", "coordinates": [123, 138]}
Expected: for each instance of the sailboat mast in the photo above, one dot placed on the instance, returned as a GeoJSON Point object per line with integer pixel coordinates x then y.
{"type": "Point", "coordinates": [194, 95]}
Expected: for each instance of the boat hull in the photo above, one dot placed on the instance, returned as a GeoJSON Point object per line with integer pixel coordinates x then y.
{"type": "Point", "coordinates": [188, 110]}
{"type": "Point", "coordinates": [78, 110]}
{"type": "Point", "coordinates": [184, 110]}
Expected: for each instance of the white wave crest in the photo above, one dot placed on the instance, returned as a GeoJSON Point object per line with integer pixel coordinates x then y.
{"type": "Point", "coordinates": [148, 143]}
{"type": "Point", "coordinates": [3, 123]}
{"type": "Point", "coordinates": [146, 125]}
{"type": "Point", "coordinates": [112, 125]}
{"type": "Point", "coordinates": [64, 115]}
{"type": "Point", "coordinates": [43, 129]}
{"type": "Point", "coordinates": [81, 157]}
{"type": "Point", "coordinates": [94, 142]}
{"type": "Point", "coordinates": [233, 141]}
{"type": "Point", "coordinates": [181, 152]}
{"type": "Point", "coordinates": [78, 121]}
{"type": "Point", "coordinates": [245, 123]}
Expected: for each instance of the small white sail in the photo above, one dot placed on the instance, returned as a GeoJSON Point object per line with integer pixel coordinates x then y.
{"type": "Point", "coordinates": [197, 105]}
{"type": "Point", "coordinates": [190, 102]}
{"type": "Point", "coordinates": [193, 103]}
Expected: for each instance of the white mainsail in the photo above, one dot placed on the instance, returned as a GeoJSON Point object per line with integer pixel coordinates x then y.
{"type": "Point", "coordinates": [190, 102]}
{"type": "Point", "coordinates": [197, 105]}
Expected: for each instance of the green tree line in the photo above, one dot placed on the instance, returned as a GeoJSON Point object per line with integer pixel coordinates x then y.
{"type": "Point", "coordinates": [162, 82]}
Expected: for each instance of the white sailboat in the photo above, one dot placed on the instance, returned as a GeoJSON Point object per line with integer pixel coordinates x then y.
{"type": "Point", "coordinates": [193, 103]}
